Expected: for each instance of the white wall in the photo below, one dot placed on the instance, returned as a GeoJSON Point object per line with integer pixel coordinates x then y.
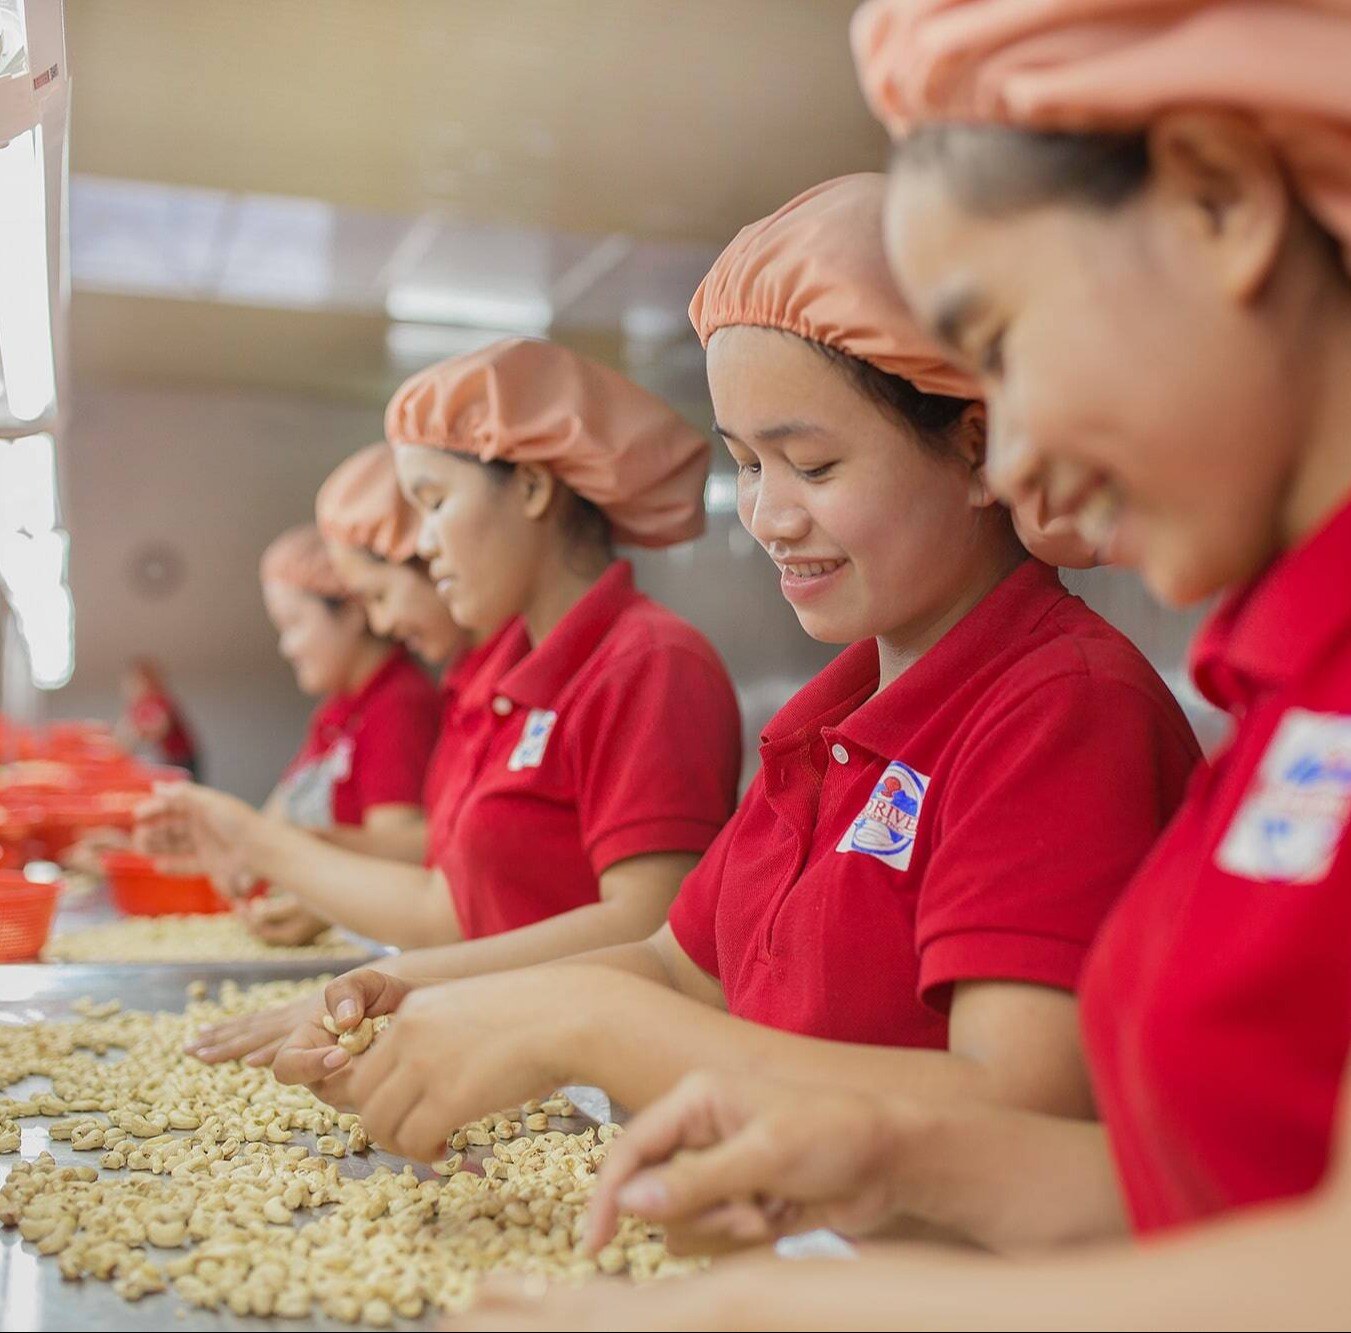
{"type": "Point", "coordinates": [216, 476]}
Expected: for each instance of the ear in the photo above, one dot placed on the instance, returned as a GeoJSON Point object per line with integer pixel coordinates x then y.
{"type": "Point", "coordinates": [1216, 174]}
{"type": "Point", "coordinates": [969, 437]}
{"type": "Point", "coordinates": [536, 487]}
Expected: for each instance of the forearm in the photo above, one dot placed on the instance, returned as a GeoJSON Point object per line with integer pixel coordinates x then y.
{"type": "Point", "coordinates": [427, 967]}
{"type": "Point", "coordinates": [1006, 1179]}
{"type": "Point", "coordinates": [1270, 1270]}
{"type": "Point", "coordinates": [651, 1037]}
{"type": "Point", "coordinates": [402, 840]}
{"type": "Point", "coordinates": [390, 901]}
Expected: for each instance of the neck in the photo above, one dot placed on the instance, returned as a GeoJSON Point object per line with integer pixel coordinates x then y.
{"type": "Point", "coordinates": [369, 657]}
{"type": "Point", "coordinates": [557, 594]}
{"type": "Point", "coordinates": [899, 649]}
{"type": "Point", "coordinates": [1321, 482]}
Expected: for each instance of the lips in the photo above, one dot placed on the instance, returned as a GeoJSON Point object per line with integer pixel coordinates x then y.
{"type": "Point", "coordinates": [808, 569]}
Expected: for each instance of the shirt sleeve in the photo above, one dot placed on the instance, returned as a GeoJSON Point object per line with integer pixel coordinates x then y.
{"type": "Point", "coordinates": [693, 917]}
{"type": "Point", "coordinates": [393, 747]}
{"type": "Point", "coordinates": [657, 754]}
{"type": "Point", "coordinates": [1046, 816]}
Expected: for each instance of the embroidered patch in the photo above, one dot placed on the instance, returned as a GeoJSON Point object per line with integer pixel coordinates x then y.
{"type": "Point", "coordinates": [1294, 814]}
{"type": "Point", "coordinates": [529, 751]}
{"type": "Point", "coordinates": [886, 827]}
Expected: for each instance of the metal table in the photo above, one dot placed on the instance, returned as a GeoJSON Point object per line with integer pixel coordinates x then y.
{"type": "Point", "coordinates": [33, 1295]}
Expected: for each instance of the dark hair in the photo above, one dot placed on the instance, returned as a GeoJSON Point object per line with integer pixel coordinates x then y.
{"type": "Point", "coordinates": [930, 415]}
{"type": "Point", "coordinates": [994, 169]}
{"type": "Point", "coordinates": [584, 523]}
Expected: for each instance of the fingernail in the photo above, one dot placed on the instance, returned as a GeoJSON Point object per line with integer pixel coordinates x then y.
{"type": "Point", "coordinates": [643, 1194]}
{"type": "Point", "coordinates": [336, 1058]}
{"type": "Point", "coordinates": [346, 1009]}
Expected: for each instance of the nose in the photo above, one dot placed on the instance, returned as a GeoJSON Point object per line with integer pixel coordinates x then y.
{"type": "Point", "coordinates": [775, 513]}
{"type": "Point", "coordinates": [1013, 468]}
{"type": "Point", "coordinates": [427, 546]}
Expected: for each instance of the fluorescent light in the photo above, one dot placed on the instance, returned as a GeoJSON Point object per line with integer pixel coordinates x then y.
{"type": "Point", "coordinates": [33, 553]}
{"type": "Point", "coordinates": [26, 361]}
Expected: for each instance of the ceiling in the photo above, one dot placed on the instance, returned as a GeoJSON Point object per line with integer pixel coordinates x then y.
{"type": "Point", "coordinates": [624, 140]}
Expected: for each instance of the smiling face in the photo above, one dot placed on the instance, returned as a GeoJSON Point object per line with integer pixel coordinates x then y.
{"type": "Point", "coordinates": [319, 642]}
{"type": "Point", "coordinates": [482, 533]}
{"type": "Point", "coordinates": [1140, 361]}
{"type": "Point", "coordinates": [400, 603]}
{"type": "Point", "coordinates": [873, 532]}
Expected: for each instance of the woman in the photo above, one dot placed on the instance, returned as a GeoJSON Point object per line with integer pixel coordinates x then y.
{"type": "Point", "coordinates": [361, 766]}
{"type": "Point", "coordinates": [152, 722]}
{"type": "Point", "coordinates": [600, 740]}
{"type": "Point", "coordinates": [942, 818]}
{"type": "Point", "coordinates": [370, 532]}
{"type": "Point", "coordinates": [1204, 207]}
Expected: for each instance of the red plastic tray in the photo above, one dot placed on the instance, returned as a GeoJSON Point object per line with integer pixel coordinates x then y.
{"type": "Point", "coordinates": [26, 911]}
{"type": "Point", "coordinates": [138, 889]}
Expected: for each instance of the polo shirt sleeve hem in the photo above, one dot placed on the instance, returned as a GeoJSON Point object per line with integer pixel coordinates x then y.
{"type": "Point", "coordinates": [997, 955]}
{"type": "Point", "coordinates": [650, 836]}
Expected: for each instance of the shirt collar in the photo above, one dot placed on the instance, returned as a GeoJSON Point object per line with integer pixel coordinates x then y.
{"type": "Point", "coordinates": [537, 678]}
{"type": "Point", "coordinates": [338, 708]}
{"type": "Point", "coordinates": [845, 694]}
{"type": "Point", "coordinates": [465, 667]}
{"type": "Point", "coordinates": [1277, 627]}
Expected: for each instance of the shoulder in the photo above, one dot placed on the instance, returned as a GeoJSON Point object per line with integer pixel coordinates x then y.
{"type": "Point", "coordinates": [1082, 663]}
{"type": "Point", "coordinates": [647, 636]}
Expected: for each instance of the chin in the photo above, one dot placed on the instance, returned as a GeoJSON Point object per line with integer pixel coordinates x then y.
{"type": "Point", "coordinates": [825, 628]}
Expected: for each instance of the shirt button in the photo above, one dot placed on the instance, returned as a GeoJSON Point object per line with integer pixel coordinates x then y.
{"type": "Point", "coordinates": [501, 705]}
{"type": "Point", "coordinates": [839, 754]}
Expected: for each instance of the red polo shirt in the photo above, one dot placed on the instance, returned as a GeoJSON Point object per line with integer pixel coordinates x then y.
{"type": "Point", "coordinates": [616, 736]}
{"type": "Point", "coordinates": [1215, 1006]}
{"type": "Point", "coordinates": [366, 748]}
{"type": "Point", "coordinates": [974, 820]}
{"type": "Point", "coordinates": [454, 682]}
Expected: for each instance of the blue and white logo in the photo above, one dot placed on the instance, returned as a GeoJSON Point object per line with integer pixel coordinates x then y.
{"type": "Point", "coordinates": [529, 751]}
{"type": "Point", "coordinates": [1294, 815]}
{"type": "Point", "coordinates": [887, 826]}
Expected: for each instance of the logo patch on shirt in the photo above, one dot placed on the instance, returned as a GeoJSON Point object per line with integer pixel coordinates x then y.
{"type": "Point", "coordinates": [1294, 814]}
{"type": "Point", "coordinates": [529, 751]}
{"type": "Point", "coordinates": [887, 825]}
{"type": "Point", "coordinates": [307, 795]}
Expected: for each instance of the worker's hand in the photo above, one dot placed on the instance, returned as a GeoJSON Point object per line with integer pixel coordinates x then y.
{"type": "Point", "coordinates": [190, 829]}
{"type": "Point", "coordinates": [726, 1160]}
{"type": "Point", "coordinates": [750, 1293]}
{"type": "Point", "coordinates": [85, 856]}
{"type": "Point", "coordinates": [281, 919]}
{"type": "Point", "coordinates": [455, 1052]}
{"type": "Point", "coordinates": [310, 1053]}
{"type": "Point", "coordinates": [253, 1038]}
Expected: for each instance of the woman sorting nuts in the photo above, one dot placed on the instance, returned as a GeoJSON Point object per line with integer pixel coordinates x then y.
{"type": "Point", "coordinates": [907, 893]}
{"type": "Point", "coordinates": [599, 744]}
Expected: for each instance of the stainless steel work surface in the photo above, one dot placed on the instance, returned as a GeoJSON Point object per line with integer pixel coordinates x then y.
{"type": "Point", "coordinates": [33, 1295]}
{"type": "Point", "coordinates": [87, 904]}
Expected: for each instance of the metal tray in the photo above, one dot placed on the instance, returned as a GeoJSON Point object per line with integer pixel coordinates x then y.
{"type": "Point", "coordinates": [32, 1293]}
{"type": "Point", "coordinates": [82, 907]}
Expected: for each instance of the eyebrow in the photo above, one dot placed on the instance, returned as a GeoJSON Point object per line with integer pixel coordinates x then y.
{"type": "Point", "coordinates": [782, 431]}
{"type": "Point", "coordinates": [954, 313]}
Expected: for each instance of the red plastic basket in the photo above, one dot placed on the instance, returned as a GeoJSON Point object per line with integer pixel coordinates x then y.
{"type": "Point", "coordinates": [26, 911]}
{"type": "Point", "coordinates": [138, 889]}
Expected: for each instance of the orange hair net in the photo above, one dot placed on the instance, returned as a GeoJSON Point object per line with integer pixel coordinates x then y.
{"type": "Point", "coordinates": [526, 401]}
{"type": "Point", "coordinates": [361, 505]}
{"type": "Point", "coordinates": [1114, 65]}
{"type": "Point", "coordinates": [817, 268]}
{"type": "Point", "coordinates": [298, 557]}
